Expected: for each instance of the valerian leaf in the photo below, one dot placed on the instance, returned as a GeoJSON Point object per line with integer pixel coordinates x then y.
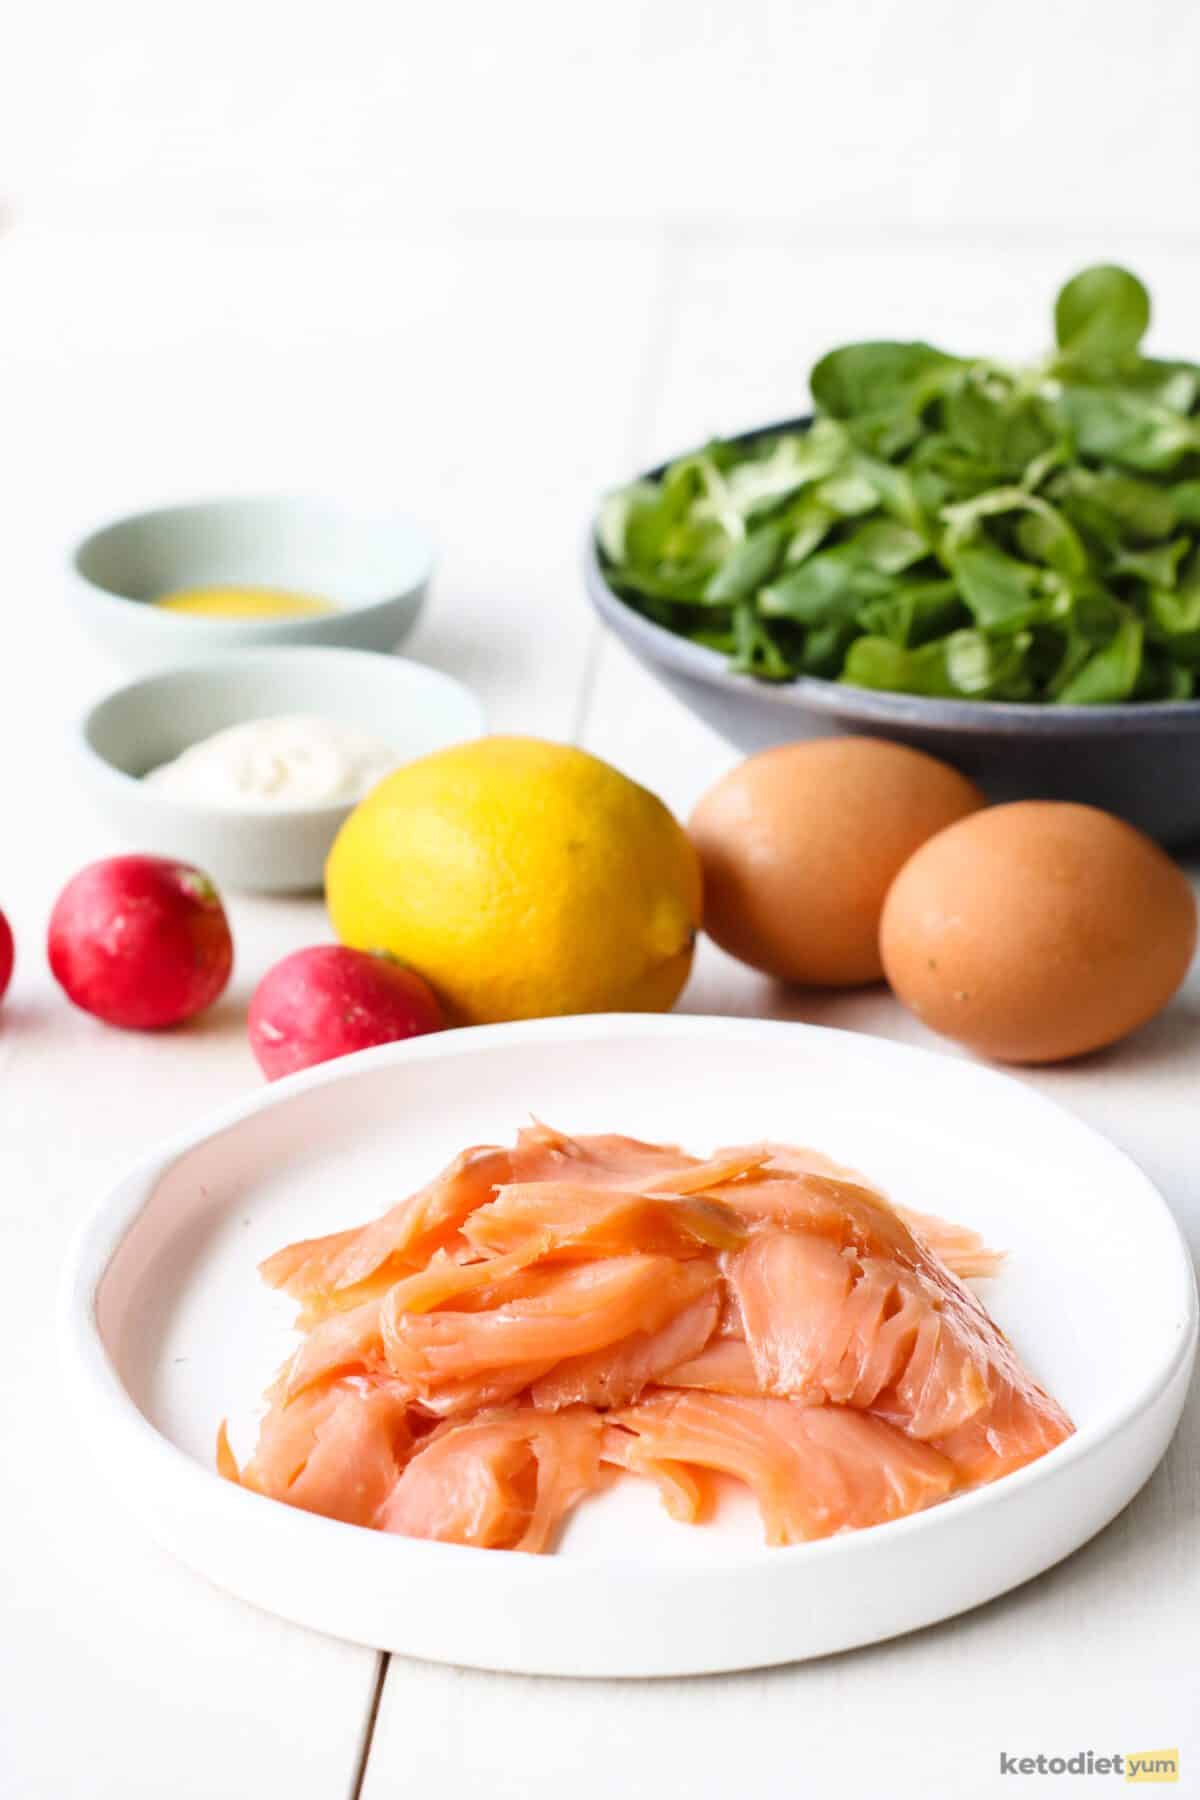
{"type": "Point", "coordinates": [1158, 567]}
{"type": "Point", "coordinates": [1101, 315]}
{"type": "Point", "coordinates": [871, 379]}
{"type": "Point", "coordinates": [1109, 674]}
{"type": "Point", "coordinates": [964, 665]}
{"type": "Point", "coordinates": [1112, 424]}
{"type": "Point", "coordinates": [748, 565]}
{"type": "Point", "coordinates": [1000, 593]}
{"type": "Point", "coordinates": [947, 526]}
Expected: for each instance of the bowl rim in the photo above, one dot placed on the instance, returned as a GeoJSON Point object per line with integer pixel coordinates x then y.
{"type": "Point", "coordinates": [871, 706]}
{"type": "Point", "coordinates": [221, 662]}
{"type": "Point", "coordinates": [425, 559]}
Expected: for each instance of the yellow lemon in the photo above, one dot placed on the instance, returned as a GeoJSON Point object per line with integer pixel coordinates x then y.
{"type": "Point", "coordinates": [521, 878]}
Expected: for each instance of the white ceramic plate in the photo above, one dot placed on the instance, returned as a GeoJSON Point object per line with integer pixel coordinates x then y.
{"type": "Point", "coordinates": [167, 1329]}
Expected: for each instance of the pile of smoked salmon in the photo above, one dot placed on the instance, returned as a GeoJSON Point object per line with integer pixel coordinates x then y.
{"type": "Point", "coordinates": [488, 1352]}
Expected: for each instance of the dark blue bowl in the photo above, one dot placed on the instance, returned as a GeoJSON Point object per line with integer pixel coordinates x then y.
{"type": "Point", "coordinates": [1141, 762]}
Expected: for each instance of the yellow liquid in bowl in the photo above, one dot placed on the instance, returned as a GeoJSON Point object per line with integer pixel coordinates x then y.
{"type": "Point", "coordinates": [242, 603]}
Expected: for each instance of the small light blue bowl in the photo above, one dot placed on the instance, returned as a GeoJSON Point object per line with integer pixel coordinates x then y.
{"type": "Point", "coordinates": [373, 567]}
{"type": "Point", "coordinates": [256, 848]}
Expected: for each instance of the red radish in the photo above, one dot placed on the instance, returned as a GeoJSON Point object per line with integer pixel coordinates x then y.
{"type": "Point", "coordinates": [6, 955]}
{"type": "Point", "coordinates": [328, 1001]}
{"type": "Point", "coordinates": [140, 941]}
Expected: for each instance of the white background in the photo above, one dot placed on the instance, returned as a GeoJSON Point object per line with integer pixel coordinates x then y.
{"type": "Point", "coordinates": [484, 260]}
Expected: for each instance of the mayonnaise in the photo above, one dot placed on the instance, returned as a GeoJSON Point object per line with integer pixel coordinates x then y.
{"type": "Point", "coordinates": [277, 763]}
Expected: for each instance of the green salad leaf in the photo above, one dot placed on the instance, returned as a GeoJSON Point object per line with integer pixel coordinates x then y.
{"type": "Point", "coordinates": [947, 525]}
{"type": "Point", "coordinates": [1101, 315]}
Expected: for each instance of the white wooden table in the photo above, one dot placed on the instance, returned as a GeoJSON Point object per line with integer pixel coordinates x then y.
{"type": "Point", "coordinates": [492, 383]}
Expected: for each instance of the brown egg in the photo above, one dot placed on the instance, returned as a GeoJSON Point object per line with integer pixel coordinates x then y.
{"type": "Point", "coordinates": [1038, 931]}
{"type": "Point", "coordinates": [800, 845]}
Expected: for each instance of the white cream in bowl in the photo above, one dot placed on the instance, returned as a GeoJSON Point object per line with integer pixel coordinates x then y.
{"type": "Point", "coordinates": [299, 759]}
{"type": "Point", "coordinates": [247, 763]}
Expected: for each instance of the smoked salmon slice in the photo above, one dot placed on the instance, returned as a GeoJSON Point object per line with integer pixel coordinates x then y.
{"type": "Point", "coordinates": [584, 1307]}
{"type": "Point", "coordinates": [472, 1362]}
{"type": "Point", "coordinates": [337, 1451]}
{"type": "Point", "coordinates": [724, 1366]}
{"type": "Point", "coordinates": [685, 1490]}
{"type": "Point", "coordinates": [585, 1221]}
{"type": "Point", "coordinates": [959, 1248]}
{"type": "Point", "coordinates": [826, 1324]}
{"type": "Point", "coordinates": [321, 1271]}
{"type": "Point", "coordinates": [1021, 1423]}
{"type": "Point", "coordinates": [352, 1341]}
{"type": "Point", "coordinates": [504, 1482]}
{"type": "Point", "coordinates": [615, 1376]}
{"type": "Point", "coordinates": [813, 1470]}
{"type": "Point", "coordinates": [809, 1189]}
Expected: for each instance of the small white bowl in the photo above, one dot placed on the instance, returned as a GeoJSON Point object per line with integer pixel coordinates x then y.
{"type": "Point", "coordinates": [373, 568]}
{"type": "Point", "coordinates": [137, 727]}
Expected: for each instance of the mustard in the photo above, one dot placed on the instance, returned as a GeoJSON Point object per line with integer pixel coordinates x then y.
{"type": "Point", "coordinates": [242, 602]}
